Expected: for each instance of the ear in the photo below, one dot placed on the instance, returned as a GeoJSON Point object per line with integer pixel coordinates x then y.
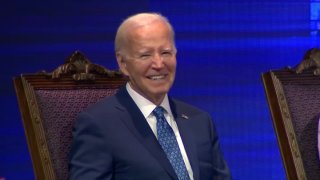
{"type": "Point", "coordinates": [122, 63]}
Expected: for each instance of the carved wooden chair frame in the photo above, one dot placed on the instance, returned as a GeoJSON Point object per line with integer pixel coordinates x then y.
{"type": "Point", "coordinates": [305, 73]}
{"type": "Point", "coordinates": [76, 72]}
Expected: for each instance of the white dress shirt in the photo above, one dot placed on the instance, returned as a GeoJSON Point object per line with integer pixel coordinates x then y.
{"type": "Point", "coordinates": [146, 107]}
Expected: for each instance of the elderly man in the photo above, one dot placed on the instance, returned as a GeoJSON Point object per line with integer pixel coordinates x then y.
{"type": "Point", "coordinates": [141, 133]}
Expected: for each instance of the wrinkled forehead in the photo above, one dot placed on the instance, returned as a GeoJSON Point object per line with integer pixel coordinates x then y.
{"type": "Point", "coordinates": [145, 31]}
{"type": "Point", "coordinates": [153, 37]}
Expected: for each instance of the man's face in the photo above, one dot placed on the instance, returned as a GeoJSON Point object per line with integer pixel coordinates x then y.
{"type": "Point", "coordinates": [149, 60]}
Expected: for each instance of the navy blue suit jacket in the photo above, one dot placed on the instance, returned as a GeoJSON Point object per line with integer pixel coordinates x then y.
{"type": "Point", "coordinates": [112, 140]}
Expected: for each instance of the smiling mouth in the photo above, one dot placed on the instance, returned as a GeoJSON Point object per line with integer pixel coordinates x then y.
{"type": "Point", "coordinates": [157, 77]}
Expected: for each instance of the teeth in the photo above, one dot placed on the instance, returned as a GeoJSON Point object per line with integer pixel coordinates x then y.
{"type": "Point", "coordinates": [157, 77]}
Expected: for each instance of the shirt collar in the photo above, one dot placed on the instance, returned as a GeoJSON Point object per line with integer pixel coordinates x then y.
{"type": "Point", "coordinates": [146, 106]}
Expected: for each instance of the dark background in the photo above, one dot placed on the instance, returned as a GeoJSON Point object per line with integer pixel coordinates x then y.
{"type": "Point", "coordinates": [223, 47]}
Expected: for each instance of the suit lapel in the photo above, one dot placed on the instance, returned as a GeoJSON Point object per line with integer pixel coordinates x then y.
{"type": "Point", "coordinates": [185, 129]}
{"type": "Point", "coordinates": [138, 125]}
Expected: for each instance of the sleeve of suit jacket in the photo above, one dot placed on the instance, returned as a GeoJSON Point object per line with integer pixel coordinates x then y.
{"type": "Point", "coordinates": [89, 157]}
{"type": "Point", "coordinates": [221, 170]}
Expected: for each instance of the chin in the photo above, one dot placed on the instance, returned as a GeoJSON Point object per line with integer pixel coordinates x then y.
{"type": "Point", "coordinates": [160, 92]}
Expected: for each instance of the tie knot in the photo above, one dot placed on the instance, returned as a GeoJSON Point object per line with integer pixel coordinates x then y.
{"type": "Point", "coordinates": [158, 111]}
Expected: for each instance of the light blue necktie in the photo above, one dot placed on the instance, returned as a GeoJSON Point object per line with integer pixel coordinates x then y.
{"type": "Point", "coordinates": [169, 144]}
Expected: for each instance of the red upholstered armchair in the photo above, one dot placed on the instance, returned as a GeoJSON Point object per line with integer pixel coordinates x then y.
{"type": "Point", "coordinates": [294, 101]}
{"type": "Point", "coordinates": [49, 104]}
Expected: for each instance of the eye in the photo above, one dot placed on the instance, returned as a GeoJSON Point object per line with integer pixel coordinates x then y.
{"type": "Point", "coordinates": [166, 53]}
{"type": "Point", "coordinates": [145, 56]}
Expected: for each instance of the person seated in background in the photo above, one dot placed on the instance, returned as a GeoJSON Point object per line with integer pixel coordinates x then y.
{"type": "Point", "coordinates": [141, 132]}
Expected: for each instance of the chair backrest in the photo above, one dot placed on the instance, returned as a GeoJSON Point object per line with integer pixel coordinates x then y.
{"type": "Point", "coordinates": [49, 104]}
{"type": "Point", "coordinates": [294, 101]}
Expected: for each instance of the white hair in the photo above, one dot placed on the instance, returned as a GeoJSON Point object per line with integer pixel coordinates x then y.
{"type": "Point", "coordinates": [138, 20]}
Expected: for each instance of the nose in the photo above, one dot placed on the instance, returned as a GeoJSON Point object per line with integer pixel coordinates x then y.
{"type": "Point", "coordinates": [157, 61]}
